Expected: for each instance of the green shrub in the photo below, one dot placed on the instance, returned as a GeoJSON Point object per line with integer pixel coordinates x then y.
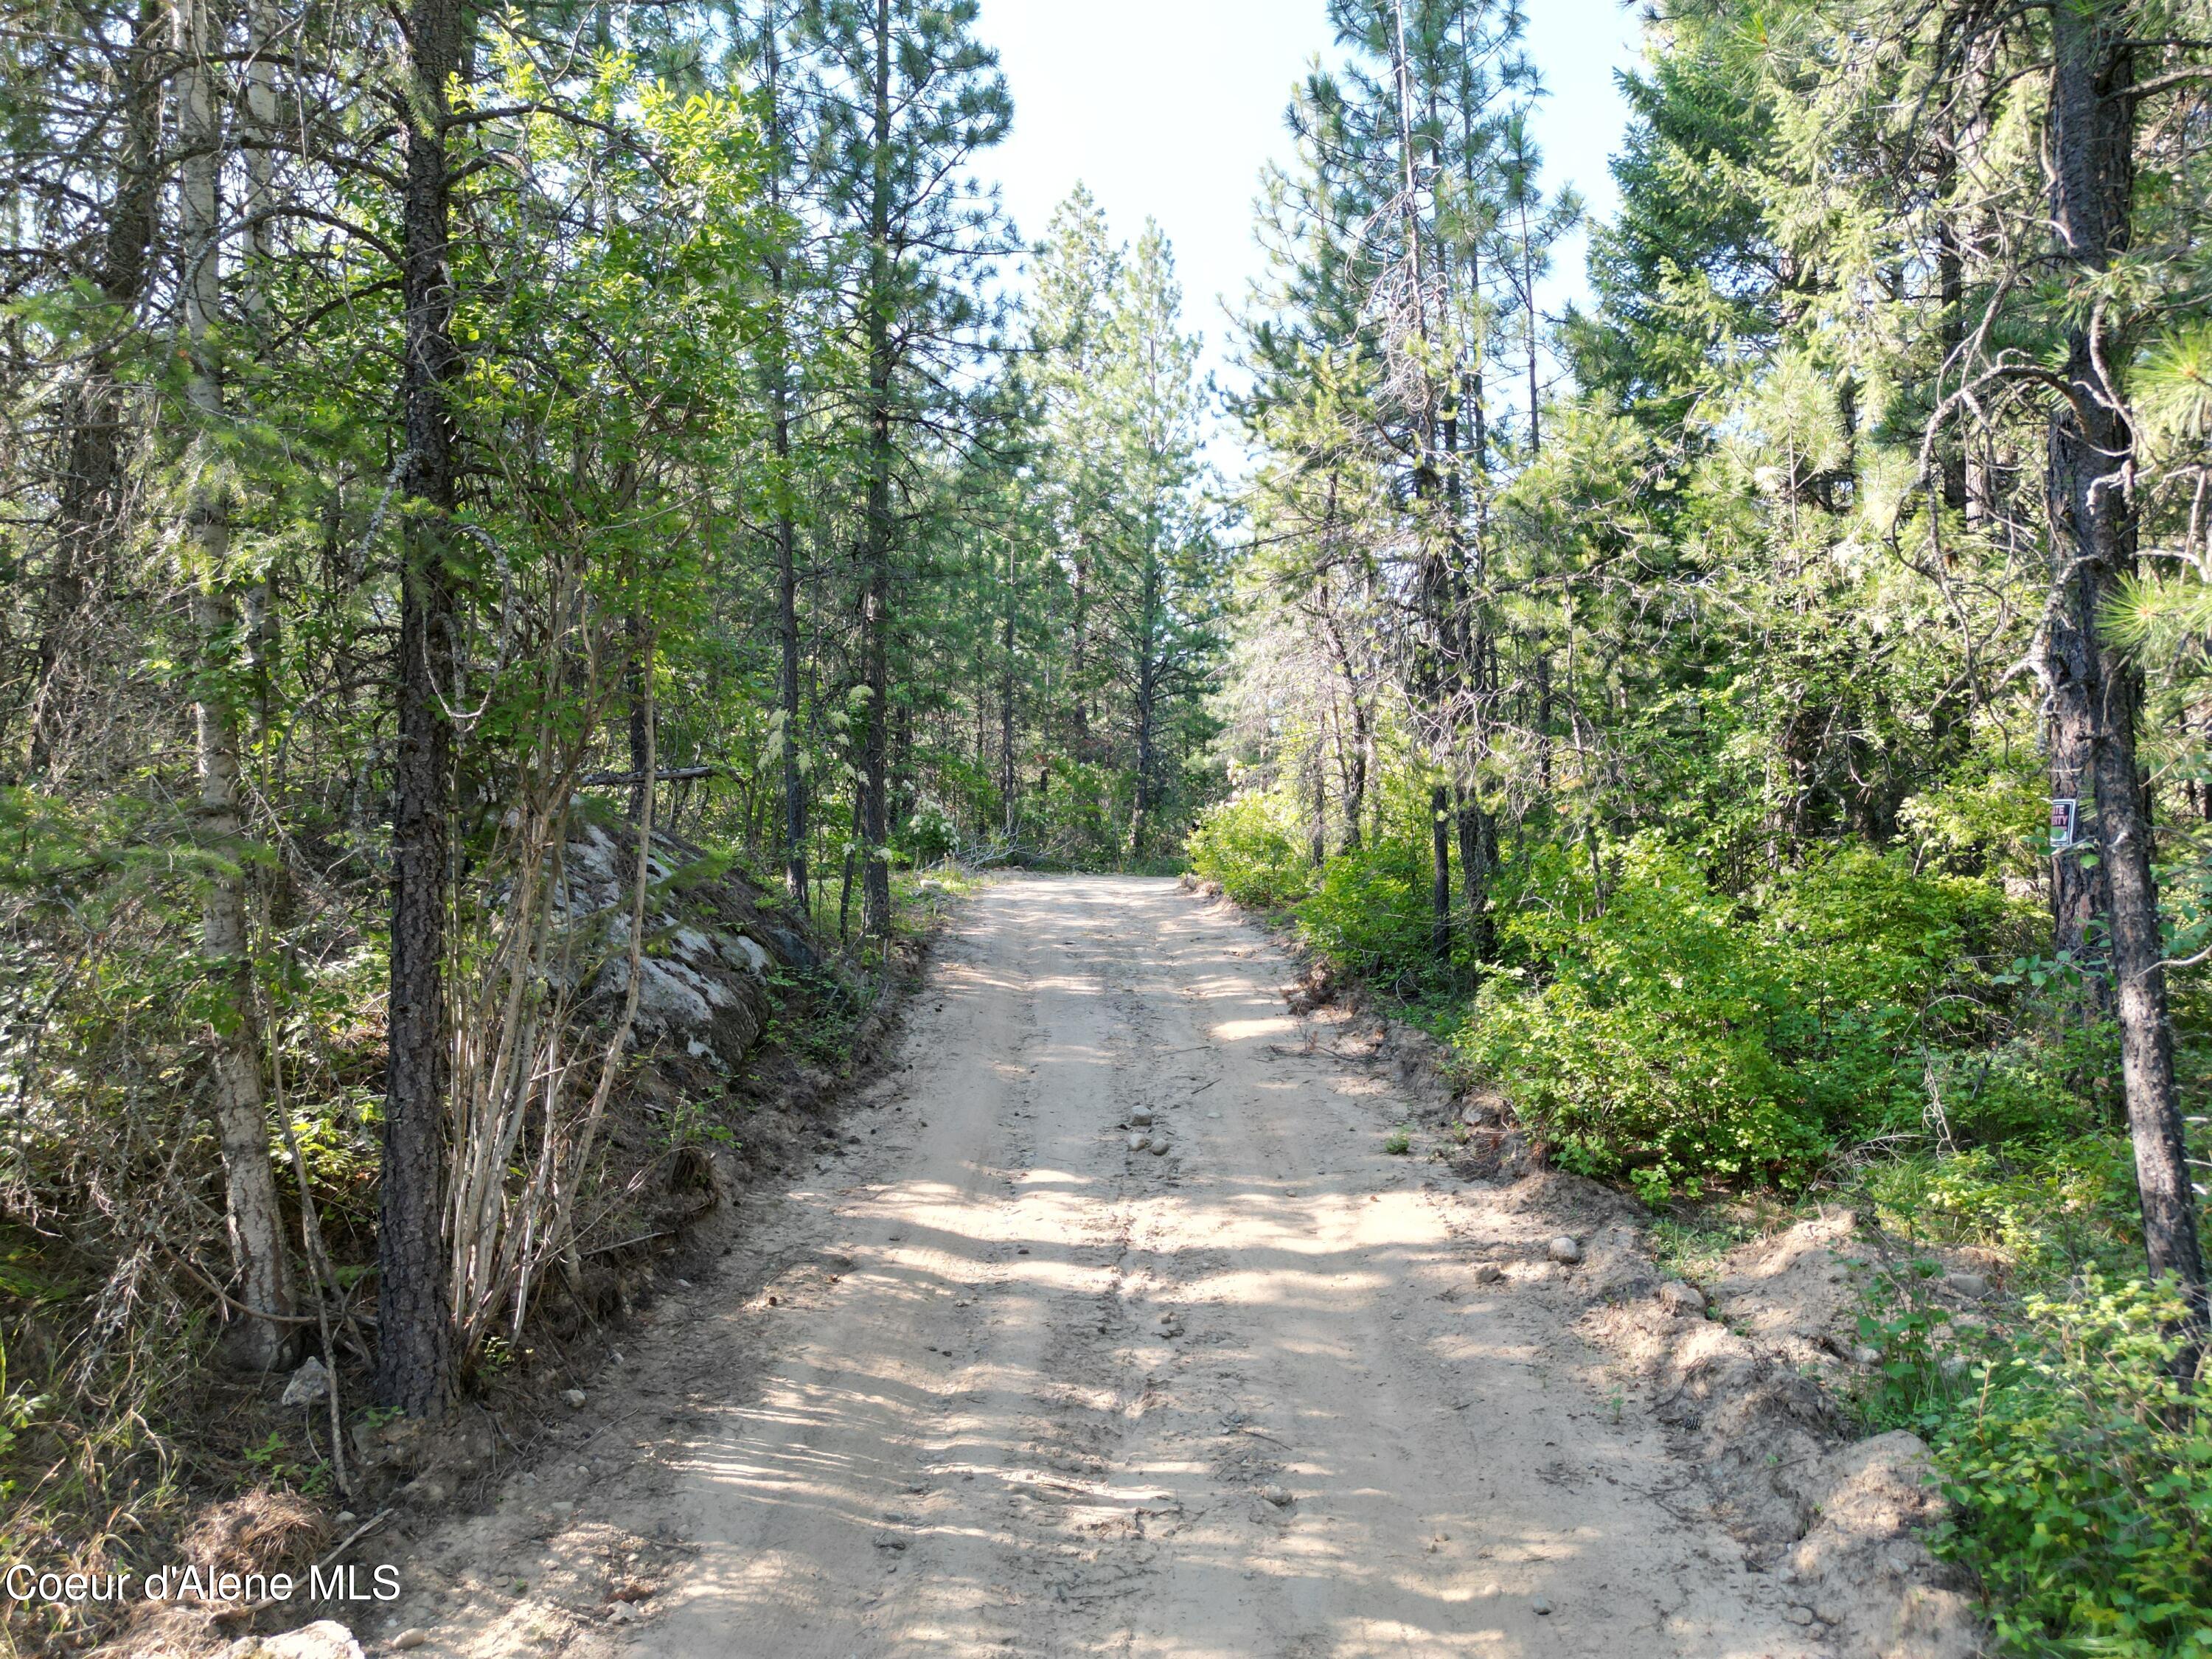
{"type": "Point", "coordinates": [1080, 817]}
{"type": "Point", "coordinates": [1246, 845]}
{"type": "Point", "coordinates": [1647, 1052]}
{"type": "Point", "coordinates": [1873, 963]}
{"type": "Point", "coordinates": [2053, 1210]}
{"type": "Point", "coordinates": [2082, 1471]}
{"type": "Point", "coordinates": [1370, 914]}
{"type": "Point", "coordinates": [929, 836]}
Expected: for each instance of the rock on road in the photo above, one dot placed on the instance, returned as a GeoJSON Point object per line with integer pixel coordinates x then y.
{"type": "Point", "coordinates": [1026, 1388]}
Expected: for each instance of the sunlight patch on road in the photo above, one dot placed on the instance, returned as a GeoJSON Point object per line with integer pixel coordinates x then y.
{"type": "Point", "coordinates": [1241, 1030]}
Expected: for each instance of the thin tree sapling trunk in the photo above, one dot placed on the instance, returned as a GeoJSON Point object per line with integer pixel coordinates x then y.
{"type": "Point", "coordinates": [255, 1222]}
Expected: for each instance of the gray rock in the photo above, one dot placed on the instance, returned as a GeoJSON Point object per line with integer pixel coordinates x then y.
{"type": "Point", "coordinates": [1281, 1497]}
{"type": "Point", "coordinates": [574, 1398]}
{"type": "Point", "coordinates": [1138, 1142]}
{"type": "Point", "coordinates": [1159, 1145]}
{"type": "Point", "coordinates": [1488, 1273]}
{"type": "Point", "coordinates": [1865, 1356]}
{"type": "Point", "coordinates": [1679, 1297]}
{"type": "Point", "coordinates": [1140, 1119]}
{"type": "Point", "coordinates": [427, 1491]}
{"type": "Point", "coordinates": [407, 1640]}
{"type": "Point", "coordinates": [311, 1382]}
{"type": "Point", "coordinates": [1566, 1249]}
{"type": "Point", "coordinates": [1975, 1285]}
{"type": "Point", "coordinates": [792, 948]}
{"type": "Point", "coordinates": [325, 1638]}
{"type": "Point", "coordinates": [1541, 1606]}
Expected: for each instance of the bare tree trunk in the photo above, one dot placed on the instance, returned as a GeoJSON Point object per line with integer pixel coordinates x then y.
{"type": "Point", "coordinates": [875, 826]}
{"type": "Point", "coordinates": [2097, 691]}
{"type": "Point", "coordinates": [1078, 692]}
{"type": "Point", "coordinates": [255, 1222]}
{"type": "Point", "coordinates": [1009, 774]}
{"type": "Point", "coordinates": [1433, 580]}
{"type": "Point", "coordinates": [787, 563]}
{"type": "Point", "coordinates": [1477, 859]}
{"type": "Point", "coordinates": [1355, 787]}
{"type": "Point", "coordinates": [1440, 886]}
{"type": "Point", "coordinates": [1147, 711]}
{"type": "Point", "coordinates": [1317, 789]}
{"type": "Point", "coordinates": [638, 697]}
{"type": "Point", "coordinates": [415, 1344]}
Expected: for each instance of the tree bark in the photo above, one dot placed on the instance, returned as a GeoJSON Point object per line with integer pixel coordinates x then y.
{"type": "Point", "coordinates": [254, 1218]}
{"type": "Point", "coordinates": [1355, 782]}
{"type": "Point", "coordinates": [414, 1353]}
{"type": "Point", "coordinates": [1009, 774]}
{"type": "Point", "coordinates": [2096, 689]}
{"type": "Point", "coordinates": [1440, 884]}
{"type": "Point", "coordinates": [636, 693]}
{"type": "Point", "coordinates": [1477, 858]}
{"type": "Point", "coordinates": [875, 828]}
{"type": "Point", "coordinates": [1147, 710]}
{"type": "Point", "coordinates": [787, 563]}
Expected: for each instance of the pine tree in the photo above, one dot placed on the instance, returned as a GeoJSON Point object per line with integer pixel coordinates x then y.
{"type": "Point", "coordinates": [910, 96]}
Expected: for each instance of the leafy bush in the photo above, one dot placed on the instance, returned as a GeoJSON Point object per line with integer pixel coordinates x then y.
{"type": "Point", "coordinates": [1664, 1032]}
{"type": "Point", "coordinates": [2067, 1207]}
{"type": "Point", "coordinates": [1080, 817]}
{"type": "Point", "coordinates": [1247, 846]}
{"type": "Point", "coordinates": [1369, 915]}
{"type": "Point", "coordinates": [1647, 1052]}
{"type": "Point", "coordinates": [929, 834]}
{"type": "Point", "coordinates": [1872, 961]}
{"type": "Point", "coordinates": [2082, 1471]}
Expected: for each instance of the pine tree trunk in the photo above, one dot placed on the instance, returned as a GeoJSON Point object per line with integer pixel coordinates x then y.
{"type": "Point", "coordinates": [875, 827]}
{"type": "Point", "coordinates": [1317, 789]}
{"type": "Point", "coordinates": [1477, 858]}
{"type": "Point", "coordinates": [1440, 882]}
{"type": "Point", "coordinates": [1078, 690]}
{"type": "Point", "coordinates": [1355, 784]}
{"type": "Point", "coordinates": [787, 563]}
{"type": "Point", "coordinates": [413, 1358]}
{"type": "Point", "coordinates": [1147, 710]}
{"type": "Point", "coordinates": [1009, 775]}
{"type": "Point", "coordinates": [2097, 689]}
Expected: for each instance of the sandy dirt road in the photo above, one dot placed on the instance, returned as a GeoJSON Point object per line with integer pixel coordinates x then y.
{"type": "Point", "coordinates": [1021, 1389]}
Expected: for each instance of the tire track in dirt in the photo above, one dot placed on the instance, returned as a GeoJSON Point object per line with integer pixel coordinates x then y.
{"type": "Point", "coordinates": [1024, 1389]}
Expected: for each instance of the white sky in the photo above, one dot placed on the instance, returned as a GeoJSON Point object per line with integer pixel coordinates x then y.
{"type": "Point", "coordinates": [1169, 107]}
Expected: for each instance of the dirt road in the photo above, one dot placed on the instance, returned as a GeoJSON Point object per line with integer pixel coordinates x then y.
{"type": "Point", "coordinates": [1012, 1387]}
